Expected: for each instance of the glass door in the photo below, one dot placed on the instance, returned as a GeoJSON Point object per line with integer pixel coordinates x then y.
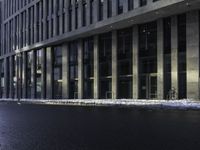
{"type": "Point", "coordinates": [152, 86]}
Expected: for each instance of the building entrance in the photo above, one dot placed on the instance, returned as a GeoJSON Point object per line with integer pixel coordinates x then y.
{"type": "Point", "coordinates": [149, 86]}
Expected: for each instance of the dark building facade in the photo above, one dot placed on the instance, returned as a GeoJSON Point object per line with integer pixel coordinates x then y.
{"type": "Point", "coordinates": [99, 49]}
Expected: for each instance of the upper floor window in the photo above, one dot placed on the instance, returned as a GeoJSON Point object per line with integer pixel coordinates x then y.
{"type": "Point", "coordinates": [91, 11]}
{"type": "Point", "coordinates": [120, 6]}
{"type": "Point", "coordinates": [84, 12]}
{"type": "Point", "coordinates": [143, 2]}
{"type": "Point", "coordinates": [130, 4]}
{"type": "Point", "coordinates": [101, 9]}
{"type": "Point", "coordinates": [109, 9]}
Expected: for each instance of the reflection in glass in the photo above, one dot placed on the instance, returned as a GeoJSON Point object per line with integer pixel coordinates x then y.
{"type": "Point", "coordinates": [57, 73]}
{"type": "Point", "coordinates": [105, 65]}
{"type": "Point", "coordinates": [38, 73]}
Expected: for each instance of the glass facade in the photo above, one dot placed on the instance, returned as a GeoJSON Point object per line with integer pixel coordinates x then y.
{"type": "Point", "coordinates": [57, 72]}
{"type": "Point", "coordinates": [120, 6]}
{"type": "Point", "coordinates": [116, 51]}
{"type": "Point", "coordinates": [73, 70]}
{"type": "Point", "coordinates": [29, 83]}
{"type": "Point", "coordinates": [14, 78]}
{"type": "Point", "coordinates": [167, 56]}
{"type": "Point", "coordinates": [124, 58]}
{"type": "Point", "coordinates": [38, 74]}
{"type": "Point", "coordinates": [88, 67]}
{"type": "Point", "coordinates": [182, 56]}
{"type": "Point", "coordinates": [2, 86]}
{"type": "Point", "coordinates": [105, 66]}
{"type": "Point", "coordinates": [148, 61]}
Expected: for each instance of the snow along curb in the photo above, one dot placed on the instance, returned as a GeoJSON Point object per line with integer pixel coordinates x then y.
{"type": "Point", "coordinates": [177, 104]}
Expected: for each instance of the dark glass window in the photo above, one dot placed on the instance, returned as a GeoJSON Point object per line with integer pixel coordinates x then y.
{"type": "Point", "coordinates": [182, 56]}
{"type": "Point", "coordinates": [84, 12]}
{"type": "Point", "coordinates": [8, 79]}
{"type": "Point", "coordinates": [70, 19]}
{"type": "Point", "coordinates": [124, 56]}
{"type": "Point", "coordinates": [57, 72]}
{"type": "Point", "coordinates": [14, 76]}
{"type": "Point", "coordinates": [105, 65]}
{"type": "Point", "coordinates": [88, 64]}
{"type": "Point", "coordinates": [109, 9]}
{"type": "Point", "coordinates": [167, 56]}
{"type": "Point", "coordinates": [29, 84]}
{"type": "Point", "coordinates": [124, 52]}
{"type": "Point", "coordinates": [38, 73]}
{"type": "Point", "coordinates": [91, 11]}
{"type": "Point", "coordinates": [101, 9]}
{"type": "Point", "coordinates": [2, 85]}
{"type": "Point", "coordinates": [73, 70]}
{"type": "Point", "coordinates": [148, 60]}
{"type": "Point", "coordinates": [143, 3]}
{"type": "Point", "coordinates": [105, 54]}
{"type": "Point", "coordinates": [76, 16]}
{"type": "Point", "coordinates": [120, 6]}
{"type": "Point", "coordinates": [130, 4]}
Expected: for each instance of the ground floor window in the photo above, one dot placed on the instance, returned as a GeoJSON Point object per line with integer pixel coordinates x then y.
{"type": "Point", "coordinates": [57, 72]}
{"type": "Point", "coordinates": [105, 86]}
{"type": "Point", "coordinates": [125, 87]}
{"type": "Point", "coordinates": [29, 84]}
{"type": "Point", "coordinates": [2, 85]}
{"type": "Point", "coordinates": [38, 74]}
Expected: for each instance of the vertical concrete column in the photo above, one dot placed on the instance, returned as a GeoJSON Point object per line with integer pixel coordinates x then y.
{"type": "Point", "coordinates": [33, 74]}
{"type": "Point", "coordinates": [44, 21]}
{"type": "Point", "coordinates": [65, 71]}
{"type": "Point", "coordinates": [105, 9]}
{"type": "Point", "coordinates": [114, 64]}
{"type": "Point", "coordinates": [43, 75]}
{"type": "Point", "coordinates": [174, 53]}
{"type": "Point", "coordinates": [5, 78]}
{"type": "Point", "coordinates": [136, 4]}
{"type": "Point", "coordinates": [160, 59]}
{"type": "Point", "coordinates": [80, 69]}
{"type": "Point", "coordinates": [11, 76]}
{"type": "Point", "coordinates": [96, 67]}
{"type": "Point", "coordinates": [125, 6]}
{"type": "Point", "coordinates": [55, 17]}
{"type": "Point", "coordinates": [192, 54]}
{"type": "Point", "coordinates": [114, 8]}
{"type": "Point", "coordinates": [49, 69]}
{"type": "Point", "coordinates": [24, 81]}
{"type": "Point", "coordinates": [135, 62]}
